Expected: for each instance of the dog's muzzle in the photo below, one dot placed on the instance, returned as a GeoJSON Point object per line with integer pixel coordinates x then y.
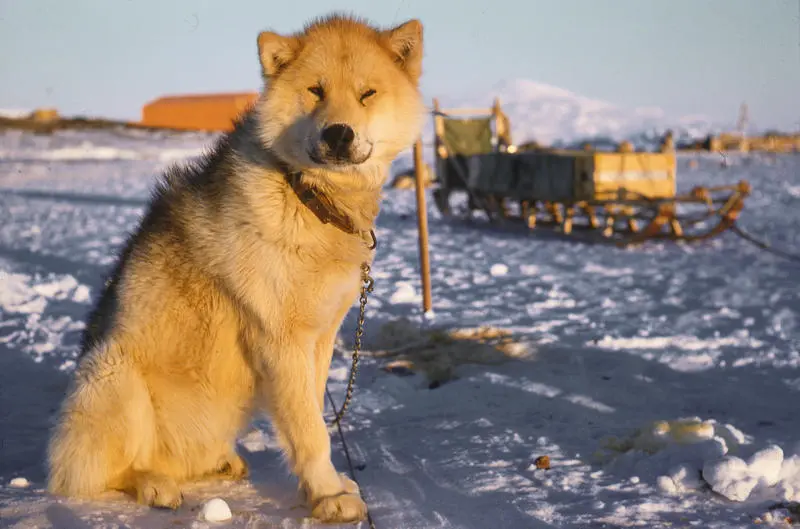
{"type": "Point", "coordinates": [336, 146]}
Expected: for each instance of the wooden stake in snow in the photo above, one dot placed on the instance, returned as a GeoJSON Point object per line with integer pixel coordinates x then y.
{"type": "Point", "coordinates": [422, 224]}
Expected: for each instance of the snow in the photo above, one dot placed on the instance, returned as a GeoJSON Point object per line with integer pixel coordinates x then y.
{"type": "Point", "coordinates": [216, 510]}
{"type": "Point", "coordinates": [405, 293]}
{"type": "Point", "coordinates": [766, 473]}
{"type": "Point", "coordinates": [14, 113]}
{"type": "Point", "coordinates": [498, 269]}
{"type": "Point", "coordinates": [19, 483]}
{"type": "Point", "coordinates": [661, 381]}
{"type": "Point", "coordinates": [690, 454]}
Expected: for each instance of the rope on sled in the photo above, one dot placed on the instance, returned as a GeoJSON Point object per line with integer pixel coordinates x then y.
{"type": "Point", "coordinates": [349, 460]}
{"type": "Point", "coordinates": [735, 228]}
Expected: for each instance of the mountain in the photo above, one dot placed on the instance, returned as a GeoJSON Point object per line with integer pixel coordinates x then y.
{"type": "Point", "coordinates": [554, 116]}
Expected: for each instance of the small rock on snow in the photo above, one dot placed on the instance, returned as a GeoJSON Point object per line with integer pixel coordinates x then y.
{"type": "Point", "coordinates": [216, 510]}
{"type": "Point", "coordinates": [19, 483]}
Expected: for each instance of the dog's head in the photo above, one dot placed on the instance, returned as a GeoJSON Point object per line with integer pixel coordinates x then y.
{"type": "Point", "coordinates": [341, 95]}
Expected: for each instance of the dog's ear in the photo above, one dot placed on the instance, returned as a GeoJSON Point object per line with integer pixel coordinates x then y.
{"type": "Point", "coordinates": [405, 41]}
{"type": "Point", "coordinates": [275, 52]}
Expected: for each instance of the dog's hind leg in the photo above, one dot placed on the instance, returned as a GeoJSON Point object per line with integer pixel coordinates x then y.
{"type": "Point", "coordinates": [151, 488]}
{"type": "Point", "coordinates": [290, 387]}
{"type": "Point", "coordinates": [231, 466]}
{"type": "Point", "coordinates": [105, 424]}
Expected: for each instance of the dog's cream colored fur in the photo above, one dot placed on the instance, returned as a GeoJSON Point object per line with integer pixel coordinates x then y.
{"type": "Point", "coordinates": [228, 297]}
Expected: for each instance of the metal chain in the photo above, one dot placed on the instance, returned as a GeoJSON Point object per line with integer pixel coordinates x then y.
{"type": "Point", "coordinates": [367, 284]}
{"type": "Point", "coordinates": [350, 465]}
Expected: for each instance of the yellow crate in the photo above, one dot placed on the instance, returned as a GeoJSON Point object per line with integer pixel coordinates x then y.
{"type": "Point", "coordinates": [647, 173]}
{"type": "Point", "coordinates": [585, 176]}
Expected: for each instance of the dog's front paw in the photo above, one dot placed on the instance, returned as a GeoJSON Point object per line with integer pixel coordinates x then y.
{"type": "Point", "coordinates": [349, 486]}
{"type": "Point", "coordinates": [342, 508]}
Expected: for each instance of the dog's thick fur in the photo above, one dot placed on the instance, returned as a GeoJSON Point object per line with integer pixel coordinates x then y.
{"type": "Point", "coordinates": [228, 297]}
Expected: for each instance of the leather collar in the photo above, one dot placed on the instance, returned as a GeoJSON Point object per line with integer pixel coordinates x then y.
{"type": "Point", "coordinates": [321, 205]}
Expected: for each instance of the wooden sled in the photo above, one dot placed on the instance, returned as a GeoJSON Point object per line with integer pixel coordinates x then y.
{"type": "Point", "coordinates": [622, 197]}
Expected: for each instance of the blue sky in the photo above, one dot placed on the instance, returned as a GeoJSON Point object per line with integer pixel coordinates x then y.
{"type": "Point", "coordinates": [108, 57]}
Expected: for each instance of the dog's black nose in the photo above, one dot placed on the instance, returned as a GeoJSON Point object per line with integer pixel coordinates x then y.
{"type": "Point", "coordinates": [339, 138]}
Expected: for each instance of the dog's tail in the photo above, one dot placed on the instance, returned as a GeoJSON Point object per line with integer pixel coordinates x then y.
{"type": "Point", "coordinates": [106, 422]}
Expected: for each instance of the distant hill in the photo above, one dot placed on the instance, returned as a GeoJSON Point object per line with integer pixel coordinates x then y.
{"type": "Point", "coordinates": [555, 116]}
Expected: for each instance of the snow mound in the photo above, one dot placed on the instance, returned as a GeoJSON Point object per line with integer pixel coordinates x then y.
{"type": "Point", "coordinates": [691, 454]}
{"type": "Point", "coordinates": [767, 474]}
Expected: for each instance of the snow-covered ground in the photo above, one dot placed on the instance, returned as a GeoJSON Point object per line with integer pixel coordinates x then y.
{"type": "Point", "coordinates": [13, 113]}
{"type": "Point", "coordinates": [622, 344]}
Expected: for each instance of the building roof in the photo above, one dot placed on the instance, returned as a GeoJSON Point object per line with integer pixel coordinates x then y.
{"type": "Point", "coordinates": [202, 98]}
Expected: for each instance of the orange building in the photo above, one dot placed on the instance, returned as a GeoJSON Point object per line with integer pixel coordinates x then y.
{"type": "Point", "coordinates": [208, 112]}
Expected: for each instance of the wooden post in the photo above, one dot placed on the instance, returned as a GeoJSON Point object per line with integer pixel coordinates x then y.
{"type": "Point", "coordinates": [500, 126]}
{"type": "Point", "coordinates": [566, 224]}
{"type": "Point", "coordinates": [422, 224]}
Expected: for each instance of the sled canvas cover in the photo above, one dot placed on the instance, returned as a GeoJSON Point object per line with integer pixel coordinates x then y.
{"type": "Point", "coordinates": [464, 138]}
{"type": "Point", "coordinates": [468, 136]}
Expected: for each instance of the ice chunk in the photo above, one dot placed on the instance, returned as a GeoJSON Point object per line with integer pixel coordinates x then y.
{"type": "Point", "coordinates": [498, 269]}
{"type": "Point", "coordinates": [19, 483]}
{"type": "Point", "coordinates": [216, 510]}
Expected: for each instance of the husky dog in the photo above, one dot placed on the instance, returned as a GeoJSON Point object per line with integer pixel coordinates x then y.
{"type": "Point", "coordinates": [228, 297]}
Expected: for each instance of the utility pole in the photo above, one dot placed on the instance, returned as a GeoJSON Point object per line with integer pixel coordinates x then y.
{"type": "Point", "coordinates": [744, 119]}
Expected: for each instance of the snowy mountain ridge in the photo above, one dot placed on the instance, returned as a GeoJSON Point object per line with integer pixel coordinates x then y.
{"type": "Point", "coordinates": [553, 115]}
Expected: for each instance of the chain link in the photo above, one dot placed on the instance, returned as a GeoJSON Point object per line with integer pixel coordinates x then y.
{"type": "Point", "coordinates": [367, 284]}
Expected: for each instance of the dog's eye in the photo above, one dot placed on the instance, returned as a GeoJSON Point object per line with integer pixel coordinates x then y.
{"type": "Point", "coordinates": [366, 95]}
{"type": "Point", "coordinates": [317, 91]}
